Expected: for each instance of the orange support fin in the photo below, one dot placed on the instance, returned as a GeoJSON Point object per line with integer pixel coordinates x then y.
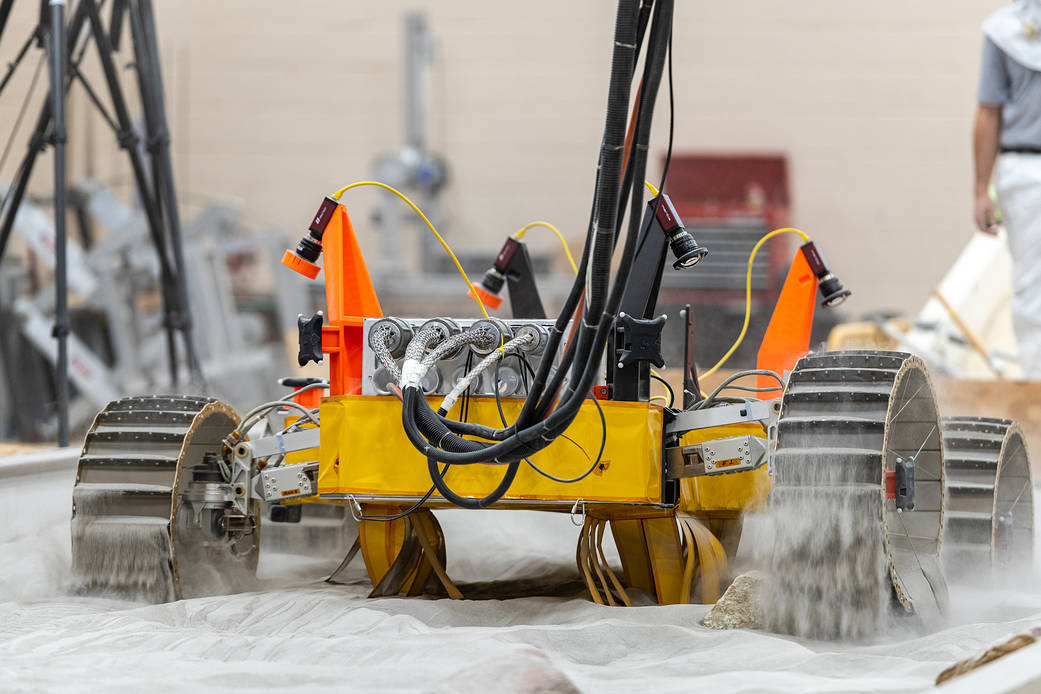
{"type": "Point", "coordinates": [349, 294]}
{"type": "Point", "coordinates": [787, 338]}
{"type": "Point", "coordinates": [350, 299]}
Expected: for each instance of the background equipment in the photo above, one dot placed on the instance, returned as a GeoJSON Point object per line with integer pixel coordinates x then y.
{"type": "Point", "coordinates": [66, 47]}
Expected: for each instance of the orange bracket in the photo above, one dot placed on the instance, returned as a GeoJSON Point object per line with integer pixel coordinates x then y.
{"type": "Point", "coordinates": [308, 398]}
{"type": "Point", "coordinates": [349, 295]}
{"type": "Point", "coordinates": [787, 338]}
{"type": "Point", "coordinates": [350, 298]}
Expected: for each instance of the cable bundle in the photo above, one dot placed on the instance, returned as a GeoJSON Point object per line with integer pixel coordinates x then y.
{"type": "Point", "coordinates": [553, 402]}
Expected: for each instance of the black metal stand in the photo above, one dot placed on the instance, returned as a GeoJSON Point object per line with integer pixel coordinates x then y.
{"type": "Point", "coordinates": [691, 386]}
{"type": "Point", "coordinates": [515, 265]}
{"type": "Point", "coordinates": [158, 195]}
{"type": "Point", "coordinates": [56, 44]}
{"type": "Point", "coordinates": [631, 380]}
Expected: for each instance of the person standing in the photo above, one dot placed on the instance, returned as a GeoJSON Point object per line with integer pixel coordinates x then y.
{"type": "Point", "coordinates": [1007, 132]}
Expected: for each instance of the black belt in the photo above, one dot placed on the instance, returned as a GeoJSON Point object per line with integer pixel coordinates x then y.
{"type": "Point", "coordinates": [1021, 150]}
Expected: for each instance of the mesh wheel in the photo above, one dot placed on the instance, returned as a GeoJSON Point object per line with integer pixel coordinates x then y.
{"type": "Point", "coordinates": [843, 556]}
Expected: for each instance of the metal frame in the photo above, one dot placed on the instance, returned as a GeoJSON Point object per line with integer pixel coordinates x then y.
{"type": "Point", "coordinates": [158, 196]}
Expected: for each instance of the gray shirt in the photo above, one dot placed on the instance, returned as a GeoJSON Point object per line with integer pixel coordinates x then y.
{"type": "Point", "coordinates": [1017, 89]}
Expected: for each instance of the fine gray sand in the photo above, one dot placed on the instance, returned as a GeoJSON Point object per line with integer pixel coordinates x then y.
{"type": "Point", "coordinates": [296, 633]}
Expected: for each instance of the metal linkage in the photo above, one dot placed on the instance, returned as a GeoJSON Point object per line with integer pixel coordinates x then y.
{"type": "Point", "coordinates": [446, 350]}
{"type": "Point", "coordinates": [718, 457]}
{"type": "Point", "coordinates": [157, 195]}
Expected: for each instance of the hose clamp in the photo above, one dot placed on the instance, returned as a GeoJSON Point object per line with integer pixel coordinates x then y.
{"type": "Point", "coordinates": [412, 372]}
{"type": "Point", "coordinates": [355, 508]}
{"type": "Point", "coordinates": [580, 508]}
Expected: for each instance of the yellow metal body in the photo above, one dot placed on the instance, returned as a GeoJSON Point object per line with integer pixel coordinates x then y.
{"type": "Point", "coordinates": [365, 454]}
{"type": "Point", "coordinates": [669, 553]}
{"type": "Point", "coordinates": [724, 494]}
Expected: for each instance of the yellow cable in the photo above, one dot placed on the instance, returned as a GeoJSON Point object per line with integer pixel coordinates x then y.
{"type": "Point", "coordinates": [567, 251]}
{"type": "Point", "coordinates": [658, 397]}
{"type": "Point", "coordinates": [748, 294]}
{"type": "Point", "coordinates": [444, 244]}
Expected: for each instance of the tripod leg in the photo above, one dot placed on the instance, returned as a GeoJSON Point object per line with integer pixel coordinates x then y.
{"type": "Point", "coordinates": [5, 12]}
{"type": "Point", "coordinates": [115, 22]}
{"type": "Point", "coordinates": [145, 85]}
{"type": "Point", "coordinates": [128, 140]}
{"type": "Point", "coordinates": [37, 141]}
{"type": "Point", "coordinates": [56, 44]}
{"type": "Point", "coordinates": [163, 167]}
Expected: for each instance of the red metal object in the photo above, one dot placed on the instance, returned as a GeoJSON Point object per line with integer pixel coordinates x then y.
{"type": "Point", "coordinates": [720, 186]}
{"type": "Point", "coordinates": [722, 189]}
{"type": "Point", "coordinates": [890, 484]}
{"type": "Point", "coordinates": [787, 338]}
{"type": "Point", "coordinates": [601, 392]}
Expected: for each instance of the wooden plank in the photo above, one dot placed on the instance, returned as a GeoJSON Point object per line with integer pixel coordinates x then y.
{"type": "Point", "coordinates": [1018, 400]}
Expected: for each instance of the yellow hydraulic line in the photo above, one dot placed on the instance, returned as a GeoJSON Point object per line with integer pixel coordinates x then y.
{"type": "Point", "coordinates": [547, 225]}
{"type": "Point", "coordinates": [748, 285]}
{"type": "Point", "coordinates": [430, 226]}
{"type": "Point", "coordinates": [748, 293]}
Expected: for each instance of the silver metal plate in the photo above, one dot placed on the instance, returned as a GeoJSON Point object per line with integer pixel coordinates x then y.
{"type": "Point", "coordinates": [446, 372]}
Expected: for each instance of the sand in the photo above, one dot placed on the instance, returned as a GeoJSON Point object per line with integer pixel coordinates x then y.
{"type": "Point", "coordinates": [296, 633]}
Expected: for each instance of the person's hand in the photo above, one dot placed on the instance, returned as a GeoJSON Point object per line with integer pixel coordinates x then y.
{"type": "Point", "coordinates": [984, 213]}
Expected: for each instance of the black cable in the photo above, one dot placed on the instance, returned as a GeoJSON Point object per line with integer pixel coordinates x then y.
{"type": "Point", "coordinates": [609, 163]}
{"type": "Point", "coordinates": [466, 394]}
{"type": "Point", "coordinates": [623, 62]}
{"type": "Point", "coordinates": [596, 463]}
{"type": "Point", "coordinates": [672, 395]}
{"type": "Point", "coordinates": [578, 354]}
{"type": "Point", "coordinates": [536, 468]}
{"type": "Point", "coordinates": [498, 394]}
{"type": "Point", "coordinates": [653, 68]}
{"type": "Point", "coordinates": [627, 185]}
{"type": "Point", "coordinates": [422, 425]}
{"type": "Point", "coordinates": [430, 492]}
{"type": "Point", "coordinates": [668, 151]}
{"type": "Point", "coordinates": [581, 345]}
{"type": "Point", "coordinates": [411, 509]}
{"type": "Point", "coordinates": [465, 502]}
{"type": "Point", "coordinates": [523, 359]}
{"type": "Point", "coordinates": [672, 123]}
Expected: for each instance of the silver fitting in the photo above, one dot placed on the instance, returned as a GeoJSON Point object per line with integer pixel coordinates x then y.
{"type": "Point", "coordinates": [445, 327]}
{"type": "Point", "coordinates": [539, 338]}
{"type": "Point", "coordinates": [395, 332]}
{"type": "Point", "coordinates": [492, 333]}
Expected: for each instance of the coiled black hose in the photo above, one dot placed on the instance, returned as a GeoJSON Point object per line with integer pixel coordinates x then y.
{"type": "Point", "coordinates": [623, 62]}
{"type": "Point", "coordinates": [424, 426]}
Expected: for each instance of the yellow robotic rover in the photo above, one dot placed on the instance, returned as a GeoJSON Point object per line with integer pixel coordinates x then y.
{"type": "Point", "coordinates": [556, 415]}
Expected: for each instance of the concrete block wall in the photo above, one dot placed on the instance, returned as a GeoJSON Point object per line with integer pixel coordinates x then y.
{"type": "Point", "coordinates": [276, 103]}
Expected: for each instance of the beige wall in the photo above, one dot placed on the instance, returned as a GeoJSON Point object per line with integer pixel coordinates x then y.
{"type": "Point", "coordinates": [276, 103]}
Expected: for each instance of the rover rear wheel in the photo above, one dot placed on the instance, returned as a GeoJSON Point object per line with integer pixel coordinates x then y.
{"type": "Point", "coordinates": [152, 516]}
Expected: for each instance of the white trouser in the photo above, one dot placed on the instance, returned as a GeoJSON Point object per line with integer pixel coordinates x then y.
{"type": "Point", "coordinates": [1019, 198]}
